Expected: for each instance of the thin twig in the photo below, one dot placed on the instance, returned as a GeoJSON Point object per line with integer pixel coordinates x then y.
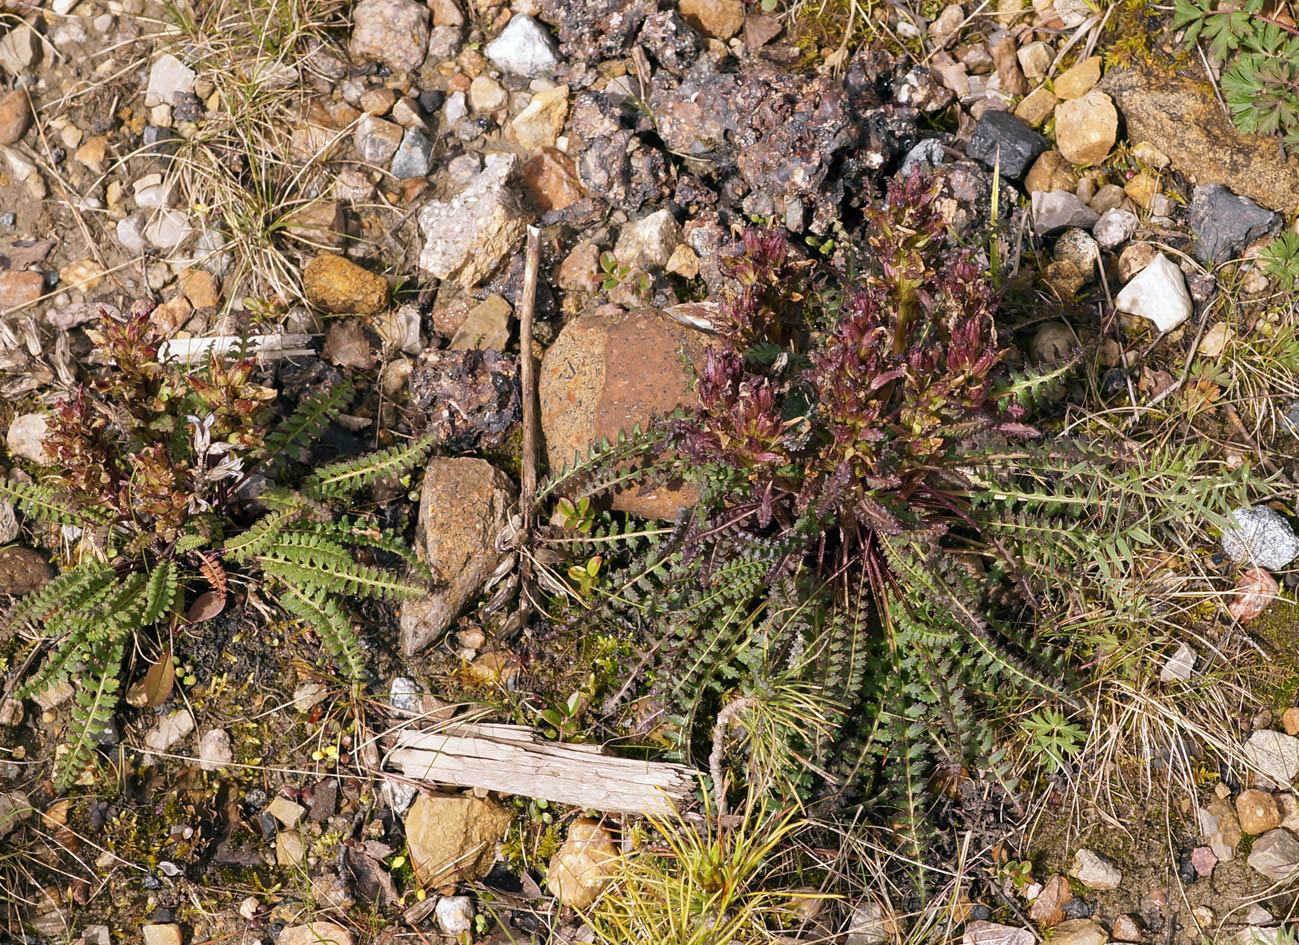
{"type": "Point", "coordinates": [527, 377]}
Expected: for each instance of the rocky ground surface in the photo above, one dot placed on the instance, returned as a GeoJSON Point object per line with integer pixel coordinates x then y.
{"type": "Point", "coordinates": [407, 148]}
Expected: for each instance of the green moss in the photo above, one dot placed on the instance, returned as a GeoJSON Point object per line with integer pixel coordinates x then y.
{"type": "Point", "coordinates": [1277, 632]}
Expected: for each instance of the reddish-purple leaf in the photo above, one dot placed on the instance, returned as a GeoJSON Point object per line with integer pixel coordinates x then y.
{"type": "Point", "coordinates": [206, 606]}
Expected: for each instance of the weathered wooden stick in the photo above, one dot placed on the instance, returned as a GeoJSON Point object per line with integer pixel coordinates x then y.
{"type": "Point", "coordinates": [528, 486]}
{"type": "Point", "coordinates": [267, 347]}
{"type": "Point", "coordinates": [514, 759]}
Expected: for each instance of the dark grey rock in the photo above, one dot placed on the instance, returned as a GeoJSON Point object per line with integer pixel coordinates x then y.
{"type": "Point", "coordinates": [1224, 224]}
{"type": "Point", "coordinates": [1002, 133]}
{"type": "Point", "coordinates": [1056, 209]}
{"type": "Point", "coordinates": [414, 155]}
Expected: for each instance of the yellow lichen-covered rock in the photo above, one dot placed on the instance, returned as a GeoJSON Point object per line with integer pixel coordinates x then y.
{"type": "Point", "coordinates": [339, 286]}
{"type": "Point", "coordinates": [452, 837]}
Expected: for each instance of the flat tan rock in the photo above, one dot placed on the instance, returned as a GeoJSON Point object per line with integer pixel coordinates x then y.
{"type": "Point", "coordinates": [1180, 116]}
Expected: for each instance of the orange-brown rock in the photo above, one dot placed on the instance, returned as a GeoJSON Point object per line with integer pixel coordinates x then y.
{"type": "Point", "coordinates": [608, 371]}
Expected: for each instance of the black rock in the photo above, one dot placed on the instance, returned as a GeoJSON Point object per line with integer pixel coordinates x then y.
{"type": "Point", "coordinates": [1224, 224]}
{"type": "Point", "coordinates": [980, 913]}
{"type": "Point", "coordinates": [432, 100]}
{"type": "Point", "coordinates": [1114, 381]}
{"type": "Point", "coordinates": [1002, 133]}
{"type": "Point", "coordinates": [1077, 909]}
{"type": "Point", "coordinates": [1186, 869]}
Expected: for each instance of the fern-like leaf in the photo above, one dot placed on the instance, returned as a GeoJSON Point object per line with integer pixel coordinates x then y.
{"type": "Point", "coordinates": [45, 503]}
{"type": "Point", "coordinates": [312, 414]}
{"type": "Point", "coordinates": [291, 563]}
{"type": "Point", "coordinates": [322, 613]}
{"type": "Point", "coordinates": [347, 477]}
{"type": "Point", "coordinates": [92, 711]}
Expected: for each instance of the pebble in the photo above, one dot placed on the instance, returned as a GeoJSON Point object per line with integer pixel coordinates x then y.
{"type": "Point", "coordinates": [720, 19]}
{"type": "Point", "coordinates": [466, 236]}
{"type": "Point", "coordinates": [1203, 860]}
{"type": "Point", "coordinates": [1126, 928]}
{"type": "Point", "coordinates": [1035, 58]}
{"type": "Point", "coordinates": [1142, 188]}
{"type": "Point", "coordinates": [1260, 536]}
{"type": "Point", "coordinates": [1134, 258]}
{"type": "Point", "coordinates": [22, 571]}
{"type": "Point", "coordinates": [1158, 293]}
{"type": "Point", "coordinates": [455, 915]}
{"type": "Point", "coordinates": [1078, 79]}
{"type": "Point", "coordinates": [169, 730]}
{"type": "Point", "coordinates": [542, 121]}
{"type": "Point", "coordinates": [1179, 666]}
{"type": "Point", "coordinates": [1274, 754]}
{"type": "Point", "coordinates": [15, 117]}
{"type": "Point", "coordinates": [1056, 209]}
{"type": "Point", "coordinates": [414, 156]}
{"type": "Point", "coordinates": [394, 32]}
{"type": "Point", "coordinates": [1037, 106]}
{"type": "Point", "coordinates": [486, 94]}
{"type": "Point", "coordinates": [1215, 340]}
{"type": "Point", "coordinates": [1077, 248]}
{"type": "Point", "coordinates": [1257, 811]}
{"type": "Point", "coordinates": [872, 923]}
{"type": "Point", "coordinates": [339, 286]}
{"type": "Point", "coordinates": [1290, 720]}
{"type": "Point", "coordinates": [1114, 227]}
{"type": "Point", "coordinates": [26, 436]}
{"type": "Point", "coordinates": [19, 288]}
{"type": "Point", "coordinates": [11, 712]}
{"type": "Point", "coordinates": [19, 48]}
{"type": "Point", "coordinates": [1275, 855]}
{"type": "Point", "coordinates": [84, 275]}
{"type": "Point", "coordinates": [400, 329]}
{"type": "Point", "coordinates": [1095, 871]}
{"type": "Point", "coordinates": [285, 811]}
{"type": "Point", "coordinates": [583, 865]}
{"type": "Point", "coordinates": [377, 101]}
{"type": "Point", "coordinates": [165, 933]}
{"type": "Point", "coordinates": [168, 77]}
{"type": "Point", "coordinates": [316, 933]}
{"type": "Point", "coordinates": [1146, 153]}
{"type": "Point", "coordinates": [1079, 932]}
{"type": "Point", "coordinates": [376, 140]}
{"type": "Point", "coordinates": [1225, 224]}
{"type": "Point", "coordinates": [1086, 128]}
{"type": "Point", "coordinates": [290, 848]}
{"type": "Point", "coordinates": [648, 242]}
{"type": "Point", "coordinates": [443, 43]}
{"type": "Point", "coordinates": [981, 932]}
{"type": "Point", "coordinates": [551, 180]}
{"type": "Point", "coordinates": [167, 229]}
{"type": "Point", "coordinates": [1107, 197]}
{"type": "Point", "coordinates": [947, 25]}
{"type": "Point", "coordinates": [486, 327]}
{"type": "Point", "coordinates": [214, 751]}
{"type": "Point", "coordinates": [404, 695]}
{"type": "Point", "coordinates": [1000, 133]}
{"type": "Point", "coordinates": [524, 47]}
{"type": "Point", "coordinates": [1051, 172]}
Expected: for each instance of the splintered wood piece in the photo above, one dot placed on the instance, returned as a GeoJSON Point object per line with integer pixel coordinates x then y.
{"type": "Point", "coordinates": [265, 347]}
{"type": "Point", "coordinates": [514, 759]}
